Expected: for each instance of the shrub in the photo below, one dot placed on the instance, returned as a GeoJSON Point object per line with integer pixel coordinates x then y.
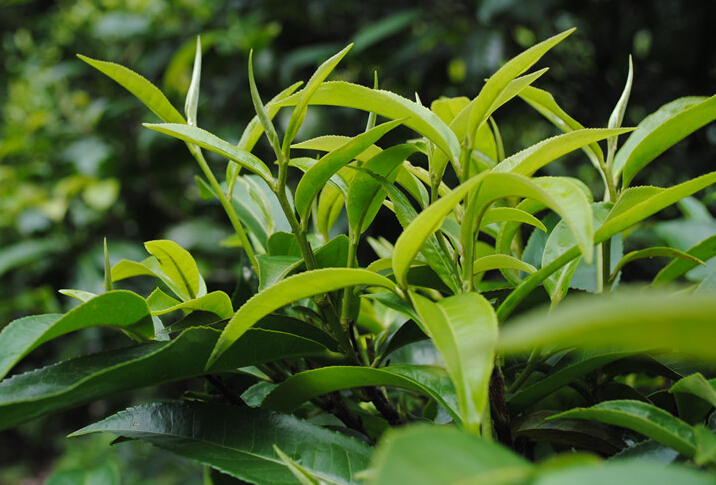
{"type": "Point", "coordinates": [320, 370]}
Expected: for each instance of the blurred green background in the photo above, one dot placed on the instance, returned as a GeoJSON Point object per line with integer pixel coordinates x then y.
{"type": "Point", "coordinates": [76, 166]}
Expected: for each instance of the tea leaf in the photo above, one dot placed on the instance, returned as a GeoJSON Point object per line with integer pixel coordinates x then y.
{"type": "Point", "coordinates": [192, 96]}
{"type": "Point", "coordinates": [255, 129]}
{"type": "Point", "coordinates": [544, 103]}
{"type": "Point", "coordinates": [144, 90]}
{"type": "Point", "coordinates": [625, 320]}
{"type": "Point", "coordinates": [498, 261]}
{"type": "Point", "coordinates": [697, 385]}
{"type": "Point", "coordinates": [661, 130]}
{"type": "Point", "coordinates": [305, 95]}
{"type": "Point", "coordinates": [328, 143]}
{"type": "Point", "coordinates": [463, 328]}
{"type": "Point", "coordinates": [510, 214]}
{"type": "Point", "coordinates": [178, 265]}
{"type": "Point", "coordinates": [531, 159]}
{"type": "Point", "coordinates": [571, 367]}
{"type": "Point", "coordinates": [364, 194]}
{"type": "Point", "coordinates": [656, 252]}
{"type": "Point", "coordinates": [316, 177]}
{"type": "Point", "coordinates": [216, 302]}
{"type": "Point", "coordinates": [702, 251]}
{"type": "Point", "coordinates": [299, 388]}
{"type": "Point", "coordinates": [427, 455]}
{"type": "Point", "coordinates": [643, 418]}
{"type": "Point", "coordinates": [289, 290]}
{"type": "Point", "coordinates": [118, 308]}
{"type": "Point", "coordinates": [204, 139]}
{"type": "Point", "coordinates": [92, 377]}
{"type": "Point", "coordinates": [390, 105]}
{"type": "Point", "coordinates": [199, 431]}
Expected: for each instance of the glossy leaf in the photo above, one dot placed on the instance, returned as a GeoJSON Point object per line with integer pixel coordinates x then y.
{"type": "Point", "coordinates": [200, 431]}
{"type": "Point", "coordinates": [434, 254]}
{"type": "Point", "coordinates": [531, 159]}
{"type": "Point", "coordinates": [92, 377]}
{"type": "Point", "coordinates": [299, 388]}
{"type": "Point", "coordinates": [316, 177]}
{"type": "Point", "coordinates": [145, 91]}
{"type": "Point", "coordinates": [425, 455]}
{"type": "Point", "coordinates": [289, 290]}
{"type": "Point", "coordinates": [364, 194]}
{"type": "Point", "coordinates": [643, 418]}
{"type": "Point", "coordinates": [510, 214]}
{"type": "Point", "coordinates": [634, 205]}
{"type": "Point", "coordinates": [661, 130]}
{"type": "Point", "coordinates": [462, 328]}
{"type": "Point", "coordinates": [328, 143]}
{"type": "Point", "coordinates": [390, 105]}
{"type": "Point", "coordinates": [499, 261]}
{"type": "Point", "coordinates": [122, 309]}
{"type": "Point", "coordinates": [261, 113]}
{"type": "Point", "coordinates": [178, 265]}
{"type": "Point", "coordinates": [204, 139]}
{"type": "Point", "coordinates": [216, 302]}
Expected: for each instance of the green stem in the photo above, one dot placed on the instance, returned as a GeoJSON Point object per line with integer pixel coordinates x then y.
{"type": "Point", "coordinates": [226, 203]}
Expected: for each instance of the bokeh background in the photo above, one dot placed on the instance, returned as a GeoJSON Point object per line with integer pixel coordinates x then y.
{"type": "Point", "coordinates": [76, 166]}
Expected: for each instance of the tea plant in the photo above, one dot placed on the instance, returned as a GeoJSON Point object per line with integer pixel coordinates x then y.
{"type": "Point", "coordinates": [309, 368]}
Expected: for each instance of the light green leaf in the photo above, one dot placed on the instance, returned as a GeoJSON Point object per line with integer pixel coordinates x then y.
{"type": "Point", "coordinates": [120, 308]}
{"type": "Point", "coordinates": [435, 256]}
{"type": "Point", "coordinates": [617, 116]}
{"type": "Point", "coordinates": [254, 129]}
{"type": "Point", "coordinates": [192, 96]}
{"type": "Point", "coordinates": [487, 101]}
{"type": "Point", "coordinates": [498, 261]}
{"type": "Point", "coordinates": [510, 214]}
{"type": "Point", "coordinates": [299, 388]}
{"type": "Point", "coordinates": [428, 455]}
{"type": "Point", "coordinates": [145, 91]}
{"type": "Point", "coordinates": [216, 302]}
{"type": "Point", "coordinates": [624, 472]}
{"type": "Point", "coordinates": [388, 104]}
{"type": "Point", "coordinates": [697, 385]}
{"type": "Point", "coordinates": [107, 268]}
{"type": "Point", "coordinates": [365, 195]}
{"type": "Point", "coordinates": [643, 418]}
{"type": "Point", "coordinates": [656, 252]}
{"type": "Point", "coordinates": [544, 103]}
{"type": "Point", "coordinates": [634, 205]}
{"type": "Point", "coordinates": [328, 143]}
{"type": "Point", "coordinates": [81, 295]}
{"type": "Point", "coordinates": [661, 130]}
{"type": "Point", "coordinates": [307, 93]}
{"type": "Point", "coordinates": [462, 328]}
{"type": "Point", "coordinates": [316, 177]}
{"type": "Point", "coordinates": [199, 431]}
{"type": "Point", "coordinates": [302, 475]}
{"type": "Point", "coordinates": [92, 377]}
{"type": "Point", "coordinates": [628, 320]}
{"type": "Point", "coordinates": [531, 159]}
{"type": "Point", "coordinates": [289, 290]}
{"type": "Point", "coordinates": [702, 251]}
{"type": "Point", "coordinates": [204, 139]}
{"type": "Point", "coordinates": [178, 265]}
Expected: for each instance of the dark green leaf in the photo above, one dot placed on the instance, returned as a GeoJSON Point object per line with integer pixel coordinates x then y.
{"type": "Point", "coordinates": [239, 441]}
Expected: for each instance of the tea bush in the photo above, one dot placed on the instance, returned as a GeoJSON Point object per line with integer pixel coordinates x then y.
{"type": "Point", "coordinates": [434, 362]}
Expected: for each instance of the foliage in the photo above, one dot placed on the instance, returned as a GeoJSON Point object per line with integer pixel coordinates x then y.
{"type": "Point", "coordinates": [309, 367]}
